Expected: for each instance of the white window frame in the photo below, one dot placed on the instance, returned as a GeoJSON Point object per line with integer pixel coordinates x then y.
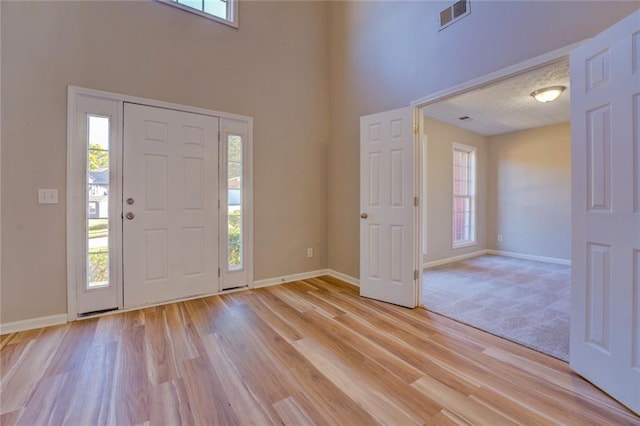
{"type": "Point", "coordinates": [236, 277]}
{"type": "Point", "coordinates": [77, 206]}
{"type": "Point", "coordinates": [457, 147]}
{"type": "Point", "coordinates": [232, 12]}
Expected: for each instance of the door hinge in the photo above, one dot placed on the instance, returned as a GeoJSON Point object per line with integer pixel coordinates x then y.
{"type": "Point", "coordinates": [218, 272]}
{"type": "Point", "coordinates": [416, 129]}
{"type": "Point", "coordinates": [218, 202]}
{"type": "Point", "coordinates": [416, 201]}
{"type": "Point", "coordinates": [415, 274]}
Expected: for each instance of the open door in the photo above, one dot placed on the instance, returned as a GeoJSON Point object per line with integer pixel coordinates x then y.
{"type": "Point", "coordinates": [388, 234]}
{"type": "Point", "coordinates": [605, 119]}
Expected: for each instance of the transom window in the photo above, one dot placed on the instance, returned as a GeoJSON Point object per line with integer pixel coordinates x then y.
{"type": "Point", "coordinates": [224, 11]}
{"type": "Point", "coordinates": [464, 195]}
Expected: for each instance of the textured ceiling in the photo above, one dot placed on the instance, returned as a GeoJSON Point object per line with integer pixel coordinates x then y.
{"type": "Point", "coordinates": [507, 106]}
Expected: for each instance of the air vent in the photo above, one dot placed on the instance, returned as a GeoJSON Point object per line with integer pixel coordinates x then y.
{"type": "Point", "coordinates": [453, 13]}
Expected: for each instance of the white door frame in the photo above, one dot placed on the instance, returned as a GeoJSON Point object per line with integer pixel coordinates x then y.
{"type": "Point", "coordinates": [494, 77]}
{"type": "Point", "coordinates": [75, 205]}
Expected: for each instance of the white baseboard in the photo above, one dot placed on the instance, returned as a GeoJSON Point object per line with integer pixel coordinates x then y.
{"type": "Point", "coordinates": [289, 278]}
{"type": "Point", "coordinates": [434, 263]}
{"type": "Point", "coordinates": [30, 324]}
{"type": "Point", "coordinates": [344, 277]}
{"type": "Point", "coordinates": [305, 275]}
{"type": "Point", "coordinates": [530, 257]}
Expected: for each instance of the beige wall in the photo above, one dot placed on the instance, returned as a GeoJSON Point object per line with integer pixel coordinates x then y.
{"type": "Point", "coordinates": [386, 54]}
{"type": "Point", "coordinates": [530, 191]}
{"type": "Point", "coordinates": [306, 72]}
{"type": "Point", "coordinates": [274, 68]}
{"type": "Point", "coordinates": [440, 138]}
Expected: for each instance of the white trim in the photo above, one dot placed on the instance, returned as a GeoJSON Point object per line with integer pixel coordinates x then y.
{"type": "Point", "coordinates": [434, 263]}
{"type": "Point", "coordinates": [289, 278]}
{"type": "Point", "coordinates": [74, 240]}
{"type": "Point", "coordinates": [152, 102]}
{"type": "Point", "coordinates": [494, 77]}
{"type": "Point", "coordinates": [232, 12]}
{"type": "Point", "coordinates": [244, 129]}
{"type": "Point", "coordinates": [546, 259]}
{"type": "Point", "coordinates": [501, 74]}
{"type": "Point", "coordinates": [344, 277]}
{"type": "Point", "coordinates": [304, 276]}
{"type": "Point", "coordinates": [34, 323]}
{"type": "Point", "coordinates": [30, 324]}
{"type": "Point", "coordinates": [80, 104]}
{"type": "Point", "coordinates": [471, 183]}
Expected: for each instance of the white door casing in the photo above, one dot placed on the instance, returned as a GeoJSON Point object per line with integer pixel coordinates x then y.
{"type": "Point", "coordinates": [605, 126]}
{"type": "Point", "coordinates": [388, 251]}
{"type": "Point", "coordinates": [170, 230]}
{"type": "Point", "coordinates": [83, 299]}
{"type": "Point", "coordinates": [241, 276]}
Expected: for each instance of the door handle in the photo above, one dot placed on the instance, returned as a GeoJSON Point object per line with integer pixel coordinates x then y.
{"type": "Point", "coordinates": [364, 215]}
{"type": "Point", "coordinates": [130, 215]}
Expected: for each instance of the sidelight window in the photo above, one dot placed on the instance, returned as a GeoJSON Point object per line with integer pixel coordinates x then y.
{"type": "Point", "coordinates": [97, 197]}
{"type": "Point", "coordinates": [234, 204]}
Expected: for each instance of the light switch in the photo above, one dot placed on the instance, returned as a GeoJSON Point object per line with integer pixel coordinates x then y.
{"type": "Point", "coordinates": [47, 196]}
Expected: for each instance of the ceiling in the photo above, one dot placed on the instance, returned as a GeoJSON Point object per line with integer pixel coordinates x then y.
{"type": "Point", "coordinates": [507, 105]}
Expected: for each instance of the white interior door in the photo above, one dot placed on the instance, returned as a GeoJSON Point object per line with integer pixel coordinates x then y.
{"type": "Point", "coordinates": [388, 236]}
{"type": "Point", "coordinates": [605, 118]}
{"type": "Point", "coordinates": [170, 193]}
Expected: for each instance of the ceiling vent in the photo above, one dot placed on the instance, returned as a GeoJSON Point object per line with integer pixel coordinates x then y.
{"type": "Point", "coordinates": [453, 13]}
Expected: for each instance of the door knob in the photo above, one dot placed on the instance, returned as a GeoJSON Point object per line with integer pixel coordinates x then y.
{"type": "Point", "coordinates": [130, 215]}
{"type": "Point", "coordinates": [364, 215]}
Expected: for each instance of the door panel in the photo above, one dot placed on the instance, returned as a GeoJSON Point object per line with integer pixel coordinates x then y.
{"type": "Point", "coordinates": [605, 318]}
{"type": "Point", "coordinates": [387, 225]}
{"type": "Point", "coordinates": [170, 210]}
{"type": "Point", "coordinates": [93, 261]}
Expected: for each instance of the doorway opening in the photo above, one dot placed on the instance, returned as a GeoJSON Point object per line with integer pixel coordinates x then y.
{"type": "Point", "coordinates": [511, 274]}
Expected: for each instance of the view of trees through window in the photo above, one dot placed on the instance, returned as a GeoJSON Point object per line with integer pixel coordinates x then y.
{"type": "Point", "coordinates": [234, 207]}
{"type": "Point", "coordinates": [98, 202]}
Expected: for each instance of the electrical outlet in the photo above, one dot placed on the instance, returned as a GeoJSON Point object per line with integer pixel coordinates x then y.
{"type": "Point", "coordinates": [309, 252]}
{"type": "Point", "coordinates": [47, 196]}
{"type": "Point", "coordinates": [500, 238]}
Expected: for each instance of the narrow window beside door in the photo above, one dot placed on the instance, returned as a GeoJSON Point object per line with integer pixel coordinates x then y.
{"type": "Point", "coordinates": [464, 179]}
{"type": "Point", "coordinates": [235, 204]}
{"type": "Point", "coordinates": [98, 202]}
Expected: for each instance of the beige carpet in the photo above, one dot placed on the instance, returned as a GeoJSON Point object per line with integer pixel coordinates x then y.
{"type": "Point", "coordinates": [524, 301]}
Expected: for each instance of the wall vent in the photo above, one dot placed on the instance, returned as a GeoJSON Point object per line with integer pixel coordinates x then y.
{"type": "Point", "coordinates": [453, 13]}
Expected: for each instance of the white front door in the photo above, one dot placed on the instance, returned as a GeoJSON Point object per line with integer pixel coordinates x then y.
{"type": "Point", "coordinates": [388, 252]}
{"type": "Point", "coordinates": [605, 125]}
{"type": "Point", "coordinates": [170, 204]}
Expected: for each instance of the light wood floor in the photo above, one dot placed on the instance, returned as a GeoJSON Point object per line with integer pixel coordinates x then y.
{"type": "Point", "coordinates": [310, 352]}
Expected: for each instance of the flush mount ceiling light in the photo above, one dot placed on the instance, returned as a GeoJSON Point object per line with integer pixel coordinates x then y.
{"type": "Point", "coordinates": [548, 94]}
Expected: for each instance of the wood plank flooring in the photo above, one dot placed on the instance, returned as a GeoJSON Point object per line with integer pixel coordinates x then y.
{"type": "Point", "coordinates": [309, 352]}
